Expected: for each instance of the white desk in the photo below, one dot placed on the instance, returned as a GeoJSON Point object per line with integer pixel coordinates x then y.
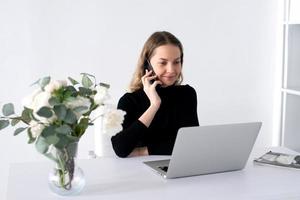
{"type": "Point", "coordinates": [122, 179]}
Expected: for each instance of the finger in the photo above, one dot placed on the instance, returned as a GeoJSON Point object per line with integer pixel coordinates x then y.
{"type": "Point", "coordinates": [145, 81]}
{"type": "Point", "coordinates": [155, 83]}
{"type": "Point", "coordinates": [151, 77]}
{"type": "Point", "coordinates": [148, 72]}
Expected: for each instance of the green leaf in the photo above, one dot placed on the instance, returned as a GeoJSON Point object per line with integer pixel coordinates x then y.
{"type": "Point", "coordinates": [86, 81]}
{"type": "Point", "coordinates": [3, 124]}
{"type": "Point", "coordinates": [8, 109]}
{"type": "Point", "coordinates": [44, 81]}
{"type": "Point", "coordinates": [31, 138]}
{"type": "Point", "coordinates": [53, 101]}
{"type": "Point", "coordinates": [70, 118]}
{"type": "Point", "coordinates": [64, 129]}
{"type": "Point", "coordinates": [93, 106]}
{"type": "Point", "coordinates": [26, 115]}
{"type": "Point", "coordinates": [81, 127]}
{"type": "Point", "coordinates": [52, 139]}
{"type": "Point", "coordinates": [19, 130]}
{"type": "Point", "coordinates": [105, 85]}
{"type": "Point", "coordinates": [45, 112]}
{"type": "Point", "coordinates": [62, 142]}
{"type": "Point", "coordinates": [69, 91]}
{"type": "Point", "coordinates": [41, 145]}
{"type": "Point", "coordinates": [15, 121]}
{"type": "Point", "coordinates": [85, 91]}
{"type": "Point", "coordinates": [48, 131]}
{"type": "Point", "coordinates": [60, 111]}
{"type": "Point", "coordinates": [87, 74]}
{"type": "Point", "coordinates": [73, 81]}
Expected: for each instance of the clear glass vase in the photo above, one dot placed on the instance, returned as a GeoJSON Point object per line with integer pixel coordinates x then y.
{"type": "Point", "coordinates": [66, 178]}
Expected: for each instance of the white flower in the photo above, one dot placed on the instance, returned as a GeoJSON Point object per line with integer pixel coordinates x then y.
{"type": "Point", "coordinates": [29, 100]}
{"type": "Point", "coordinates": [112, 121]}
{"type": "Point", "coordinates": [36, 101]}
{"type": "Point", "coordinates": [101, 95]}
{"type": "Point", "coordinates": [36, 128]}
{"type": "Point", "coordinates": [40, 101]}
{"type": "Point", "coordinates": [55, 85]}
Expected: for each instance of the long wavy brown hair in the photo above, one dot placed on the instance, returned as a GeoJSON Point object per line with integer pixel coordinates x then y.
{"type": "Point", "coordinates": [155, 40]}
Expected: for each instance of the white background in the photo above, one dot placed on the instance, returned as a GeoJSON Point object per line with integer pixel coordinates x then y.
{"type": "Point", "coordinates": [231, 56]}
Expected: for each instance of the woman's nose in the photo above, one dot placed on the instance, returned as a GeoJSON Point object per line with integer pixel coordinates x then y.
{"type": "Point", "coordinates": [170, 67]}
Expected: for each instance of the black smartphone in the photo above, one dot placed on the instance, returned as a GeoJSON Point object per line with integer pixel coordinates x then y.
{"type": "Point", "coordinates": [148, 66]}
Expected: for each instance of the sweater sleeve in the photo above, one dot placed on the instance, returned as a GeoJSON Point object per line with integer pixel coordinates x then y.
{"type": "Point", "coordinates": [125, 141]}
{"type": "Point", "coordinates": [192, 116]}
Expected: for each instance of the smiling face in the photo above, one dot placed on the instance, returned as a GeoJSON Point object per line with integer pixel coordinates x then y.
{"type": "Point", "coordinates": [166, 63]}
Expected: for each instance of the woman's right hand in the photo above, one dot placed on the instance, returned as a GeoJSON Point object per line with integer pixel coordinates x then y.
{"type": "Point", "coordinates": [149, 88]}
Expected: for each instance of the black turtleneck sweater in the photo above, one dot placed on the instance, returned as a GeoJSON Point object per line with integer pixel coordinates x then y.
{"type": "Point", "coordinates": [178, 109]}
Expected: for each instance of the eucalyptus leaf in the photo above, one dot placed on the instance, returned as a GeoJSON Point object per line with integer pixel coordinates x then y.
{"type": "Point", "coordinates": [3, 124]}
{"type": "Point", "coordinates": [19, 130]}
{"type": "Point", "coordinates": [44, 81]}
{"type": "Point", "coordinates": [93, 107]}
{"type": "Point", "coordinates": [86, 81]}
{"type": "Point", "coordinates": [81, 127]}
{"type": "Point", "coordinates": [72, 138]}
{"type": "Point", "coordinates": [68, 92]}
{"type": "Point", "coordinates": [62, 142]}
{"type": "Point", "coordinates": [45, 112]}
{"type": "Point", "coordinates": [49, 130]}
{"type": "Point", "coordinates": [64, 129]}
{"type": "Point", "coordinates": [8, 109]}
{"type": "Point", "coordinates": [72, 90]}
{"type": "Point", "coordinates": [65, 141]}
{"type": "Point", "coordinates": [52, 139]}
{"type": "Point", "coordinates": [85, 91]}
{"type": "Point", "coordinates": [26, 115]}
{"type": "Point", "coordinates": [105, 85]}
{"type": "Point", "coordinates": [53, 101]}
{"type": "Point", "coordinates": [15, 121]}
{"type": "Point", "coordinates": [31, 138]}
{"type": "Point", "coordinates": [70, 118]}
{"type": "Point", "coordinates": [41, 145]}
{"type": "Point", "coordinates": [60, 111]}
{"type": "Point", "coordinates": [73, 81]}
{"type": "Point", "coordinates": [87, 74]}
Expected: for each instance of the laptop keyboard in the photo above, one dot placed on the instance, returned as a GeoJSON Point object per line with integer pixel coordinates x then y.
{"type": "Point", "coordinates": [164, 168]}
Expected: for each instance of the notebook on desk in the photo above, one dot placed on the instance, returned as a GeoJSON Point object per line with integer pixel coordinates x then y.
{"type": "Point", "coordinates": [209, 149]}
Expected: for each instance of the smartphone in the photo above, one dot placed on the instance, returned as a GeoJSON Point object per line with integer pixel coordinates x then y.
{"type": "Point", "coordinates": [148, 66]}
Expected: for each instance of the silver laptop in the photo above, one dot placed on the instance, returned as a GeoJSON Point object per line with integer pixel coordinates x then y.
{"type": "Point", "coordinates": [209, 149]}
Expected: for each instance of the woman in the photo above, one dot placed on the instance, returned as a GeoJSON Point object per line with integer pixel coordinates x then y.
{"type": "Point", "coordinates": [157, 105]}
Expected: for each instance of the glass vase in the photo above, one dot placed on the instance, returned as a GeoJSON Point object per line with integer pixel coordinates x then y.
{"type": "Point", "coordinates": [66, 178]}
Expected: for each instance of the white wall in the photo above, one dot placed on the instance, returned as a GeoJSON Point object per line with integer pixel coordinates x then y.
{"type": "Point", "coordinates": [230, 49]}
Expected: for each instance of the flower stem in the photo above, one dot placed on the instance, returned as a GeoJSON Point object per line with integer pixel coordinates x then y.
{"type": "Point", "coordinates": [64, 172]}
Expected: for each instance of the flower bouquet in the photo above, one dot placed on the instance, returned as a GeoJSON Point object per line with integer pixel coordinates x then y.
{"type": "Point", "coordinates": [55, 116]}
